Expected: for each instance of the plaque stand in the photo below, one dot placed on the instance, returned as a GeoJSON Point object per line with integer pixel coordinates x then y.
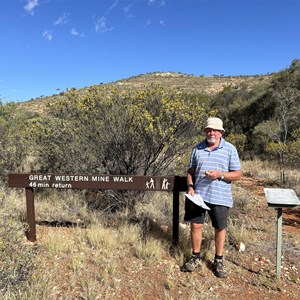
{"type": "Point", "coordinates": [280, 198]}
{"type": "Point", "coordinates": [278, 242]}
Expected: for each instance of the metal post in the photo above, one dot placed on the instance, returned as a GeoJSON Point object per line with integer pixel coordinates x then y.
{"type": "Point", "coordinates": [30, 214]}
{"type": "Point", "coordinates": [280, 198]}
{"type": "Point", "coordinates": [279, 241]}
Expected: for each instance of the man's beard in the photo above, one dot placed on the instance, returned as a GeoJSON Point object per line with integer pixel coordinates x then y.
{"type": "Point", "coordinates": [211, 140]}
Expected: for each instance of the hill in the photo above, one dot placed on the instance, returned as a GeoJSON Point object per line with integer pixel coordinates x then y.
{"type": "Point", "coordinates": [210, 85]}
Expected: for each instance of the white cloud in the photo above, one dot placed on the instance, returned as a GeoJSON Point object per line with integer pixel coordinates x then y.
{"type": "Point", "coordinates": [115, 4]}
{"type": "Point", "coordinates": [100, 25]}
{"type": "Point", "coordinates": [31, 4]}
{"type": "Point", "coordinates": [157, 2]}
{"type": "Point", "coordinates": [127, 9]}
{"type": "Point", "coordinates": [62, 19]}
{"type": "Point", "coordinates": [128, 12]}
{"type": "Point", "coordinates": [149, 23]}
{"type": "Point", "coordinates": [74, 31]}
{"type": "Point", "coordinates": [47, 34]}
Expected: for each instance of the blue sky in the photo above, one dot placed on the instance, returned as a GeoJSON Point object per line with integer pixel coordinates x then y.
{"type": "Point", "coordinates": [48, 46]}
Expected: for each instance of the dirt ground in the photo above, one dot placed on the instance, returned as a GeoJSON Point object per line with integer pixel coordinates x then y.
{"type": "Point", "coordinates": [252, 273]}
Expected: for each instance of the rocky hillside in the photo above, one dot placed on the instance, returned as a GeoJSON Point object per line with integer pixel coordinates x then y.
{"type": "Point", "coordinates": [192, 84]}
{"type": "Point", "coordinates": [210, 85]}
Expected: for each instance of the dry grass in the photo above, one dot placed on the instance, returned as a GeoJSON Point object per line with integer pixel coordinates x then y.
{"type": "Point", "coordinates": [61, 205]}
{"type": "Point", "coordinates": [121, 257]}
{"type": "Point", "coordinates": [268, 172]}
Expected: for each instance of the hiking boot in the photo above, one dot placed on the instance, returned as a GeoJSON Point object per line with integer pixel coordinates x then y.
{"type": "Point", "coordinates": [192, 264]}
{"type": "Point", "coordinates": [219, 268]}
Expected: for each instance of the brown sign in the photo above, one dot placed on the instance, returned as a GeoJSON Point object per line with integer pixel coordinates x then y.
{"type": "Point", "coordinates": [107, 182]}
{"type": "Point", "coordinates": [84, 181]}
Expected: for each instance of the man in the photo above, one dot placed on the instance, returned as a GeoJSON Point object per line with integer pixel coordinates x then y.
{"type": "Point", "coordinates": [214, 163]}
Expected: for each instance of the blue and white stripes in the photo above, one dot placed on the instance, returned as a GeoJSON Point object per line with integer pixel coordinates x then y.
{"type": "Point", "coordinates": [223, 158]}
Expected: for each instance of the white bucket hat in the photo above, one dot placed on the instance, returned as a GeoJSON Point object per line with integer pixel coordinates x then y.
{"type": "Point", "coordinates": [214, 123]}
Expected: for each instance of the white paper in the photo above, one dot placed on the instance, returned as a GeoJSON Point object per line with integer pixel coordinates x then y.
{"type": "Point", "coordinates": [198, 200]}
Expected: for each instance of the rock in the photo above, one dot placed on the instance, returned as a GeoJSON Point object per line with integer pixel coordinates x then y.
{"type": "Point", "coordinates": [262, 259]}
{"type": "Point", "coordinates": [240, 247]}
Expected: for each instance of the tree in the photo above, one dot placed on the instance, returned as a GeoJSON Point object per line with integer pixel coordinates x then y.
{"type": "Point", "coordinates": [138, 132]}
{"type": "Point", "coordinates": [111, 131]}
{"type": "Point", "coordinates": [15, 144]}
{"type": "Point", "coordinates": [239, 140]}
{"type": "Point", "coordinates": [285, 119]}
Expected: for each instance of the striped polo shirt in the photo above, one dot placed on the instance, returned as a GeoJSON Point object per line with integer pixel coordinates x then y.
{"type": "Point", "coordinates": [223, 158]}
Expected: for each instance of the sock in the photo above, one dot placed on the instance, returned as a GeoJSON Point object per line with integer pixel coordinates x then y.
{"type": "Point", "coordinates": [196, 254]}
{"type": "Point", "coordinates": [219, 257]}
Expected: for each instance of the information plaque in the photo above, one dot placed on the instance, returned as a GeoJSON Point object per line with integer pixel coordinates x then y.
{"type": "Point", "coordinates": [281, 198]}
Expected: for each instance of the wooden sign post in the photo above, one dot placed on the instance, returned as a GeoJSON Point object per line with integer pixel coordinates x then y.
{"type": "Point", "coordinates": [30, 182]}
